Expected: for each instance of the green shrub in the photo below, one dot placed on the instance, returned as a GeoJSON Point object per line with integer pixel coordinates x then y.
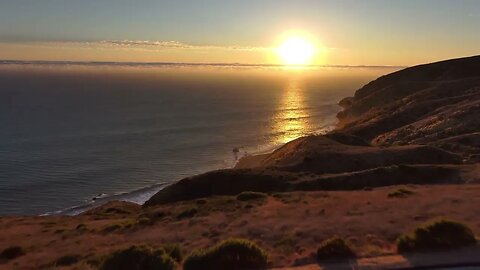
{"type": "Point", "coordinates": [113, 210]}
{"type": "Point", "coordinates": [59, 231]}
{"type": "Point", "coordinates": [232, 254]}
{"type": "Point", "coordinates": [95, 262]}
{"type": "Point", "coordinates": [111, 228]}
{"type": "Point", "coordinates": [400, 193]}
{"type": "Point", "coordinates": [11, 253]}
{"type": "Point", "coordinates": [334, 249]}
{"type": "Point", "coordinates": [187, 212]}
{"type": "Point", "coordinates": [201, 201]}
{"type": "Point", "coordinates": [440, 234]}
{"type": "Point", "coordinates": [121, 225]}
{"type": "Point", "coordinates": [81, 227]}
{"type": "Point", "coordinates": [67, 260]}
{"type": "Point", "coordinates": [139, 257]}
{"type": "Point", "coordinates": [290, 197]}
{"type": "Point", "coordinates": [175, 251]}
{"type": "Point", "coordinates": [250, 195]}
{"type": "Point", "coordinates": [286, 243]}
{"type": "Point", "coordinates": [145, 221]}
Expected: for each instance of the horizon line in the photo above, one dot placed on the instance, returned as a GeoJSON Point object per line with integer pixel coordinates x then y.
{"type": "Point", "coordinates": [191, 64]}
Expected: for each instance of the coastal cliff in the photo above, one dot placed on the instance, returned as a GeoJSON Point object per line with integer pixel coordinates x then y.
{"type": "Point", "coordinates": [435, 104]}
{"type": "Point", "coordinates": [418, 125]}
{"type": "Point", "coordinates": [404, 154]}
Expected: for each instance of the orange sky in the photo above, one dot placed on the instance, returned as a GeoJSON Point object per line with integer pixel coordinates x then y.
{"type": "Point", "coordinates": [347, 32]}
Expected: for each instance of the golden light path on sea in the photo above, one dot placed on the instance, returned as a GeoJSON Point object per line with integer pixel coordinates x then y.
{"type": "Point", "coordinates": [292, 120]}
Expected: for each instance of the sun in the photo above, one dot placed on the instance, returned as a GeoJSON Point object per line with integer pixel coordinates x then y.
{"type": "Point", "coordinates": [296, 50]}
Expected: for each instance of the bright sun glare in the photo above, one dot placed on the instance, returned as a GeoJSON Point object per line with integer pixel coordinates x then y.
{"type": "Point", "coordinates": [296, 50]}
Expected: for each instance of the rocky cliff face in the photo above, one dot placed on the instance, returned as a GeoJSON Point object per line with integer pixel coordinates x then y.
{"type": "Point", "coordinates": [436, 104]}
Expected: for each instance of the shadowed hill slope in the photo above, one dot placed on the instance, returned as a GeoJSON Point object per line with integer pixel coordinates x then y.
{"type": "Point", "coordinates": [321, 155]}
{"type": "Point", "coordinates": [426, 104]}
{"type": "Point", "coordinates": [235, 181]}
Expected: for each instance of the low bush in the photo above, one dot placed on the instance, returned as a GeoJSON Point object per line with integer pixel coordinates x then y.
{"type": "Point", "coordinates": [201, 201]}
{"type": "Point", "coordinates": [113, 210]}
{"type": "Point", "coordinates": [435, 235]}
{"type": "Point", "coordinates": [145, 221]}
{"type": "Point", "coordinates": [59, 231]}
{"type": "Point", "coordinates": [400, 193]}
{"type": "Point", "coordinates": [286, 243]}
{"type": "Point", "coordinates": [139, 257]}
{"type": "Point", "coordinates": [81, 227]}
{"type": "Point", "coordinates": [121, 225]}
{"type": "Point", "coordinates": [111, 228]}
{"type": "Point", "coordinates": [187, 213]}
{"type": "Point", "coordinates": [289, 197]}
{"type": "Point", "coordinates": [11, 253]}
{"type": "Point", "coordinates": [175, 251]}
{"type": "Point", "coordinates": [232, 254]}
{"type": "Point", "coordinates": [250, 195]}
{"type": "Point", "coordinates": [95, 262]}
{"type": "Point", "coordinates": [68, 260]}
{"type": "Point", "coordinates": [335, 248]}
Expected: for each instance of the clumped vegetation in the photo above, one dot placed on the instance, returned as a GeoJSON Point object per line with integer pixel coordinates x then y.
{"type": "Point", "coordinates": [250, 195]}
{"type": "Point", "coordinates": [174, 251]}
{"type": "Point", "coordinates": [122, 225]}
{"type": "Point", "coordinates": [81, 227]}
{"type": "Point", "coordinates": [187, 212]}
{"type": "Point", "coordinates": [201, 201]}
{"type": "Point", "coordinates": [291, 197]}
{"type": "Point", "coordinates": [11, 253]}
{"type": "Point", "coordinates": [68, 260]}
{"type": "Point", "coordinates": [335, 248]}
{"type": "Point", "coordinates": [145, 221]}
{"type": "Point", "coordinates": [354, 212]}
{"type": "Point", "coordinates": [286, 244]}
{"type": "Point", "coordinates": [58, 231]}
{"type": "Point", "coordinates": [139, 257]}
{"type": "Point", "coordinates": [111, 228]}
{"type": "Point", "coordinates": [232, 254]}
{"type": "Point", "coordinates": [115, 210]}
{"type": "Point", "coordinates": [217, 203]}
{"type": "Point", "coordinates": [400, 193]}
{"type": "Point", "coordinates": [435, 235]}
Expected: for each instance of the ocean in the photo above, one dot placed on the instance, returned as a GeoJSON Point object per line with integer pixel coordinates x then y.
{"type": "Point", "coordinates": [74, 135]}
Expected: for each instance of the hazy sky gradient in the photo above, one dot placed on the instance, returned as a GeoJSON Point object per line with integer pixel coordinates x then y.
{"type": "Point", "coordinates": [370, 32]}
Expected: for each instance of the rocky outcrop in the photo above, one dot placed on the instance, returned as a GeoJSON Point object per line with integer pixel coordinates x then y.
{"type": "Point", "coordinates": [322, 155]}
{"type": "Point", "coordinates": [426, 104]}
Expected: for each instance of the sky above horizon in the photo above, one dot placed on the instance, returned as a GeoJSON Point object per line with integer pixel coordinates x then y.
{"type": "Point", "coordinates": [346, 32]}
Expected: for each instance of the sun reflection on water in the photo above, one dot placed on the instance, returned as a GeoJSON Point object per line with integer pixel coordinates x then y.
{"type": "Point", "coordinates": [292, 119]}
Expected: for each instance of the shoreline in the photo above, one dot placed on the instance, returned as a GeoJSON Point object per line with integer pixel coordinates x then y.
{"type": "Point", "coordinates": [89, 164]}
{"type": "Point", "coordinates": [140, 196]}
{"type": "Point", "coordinates": [137, 196]}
